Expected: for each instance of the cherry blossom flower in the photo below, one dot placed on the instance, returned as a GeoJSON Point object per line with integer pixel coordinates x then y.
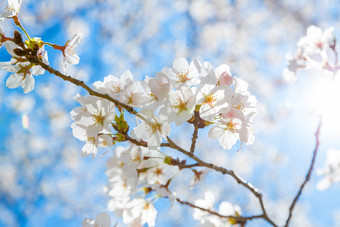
{"type": "Point", "coordinates": [141, 210]}
{"type": "Point", "coordinates": [331, 171]}
{"type": "Point", "coordinates": [92, 123]}
{"type": "Point", "coordinates": [183, 74]}
{"type": "Point", "coordinates": [102, 220]}
{"type": "Point", "coordinates": [227, 132]}
{"type": "Point", "coordinates": [123, 178]}
{"type": "Point", "coordinates": [162, 191]}
{"type": "Point", "coordinates": [153, 130]}
{"type": "Point", "coordinates": [236, 120]}
{"type": "Point", "coordinates": [95, 114]}
{"type": "Point", "coordinates": [92, 142]}
{"type": "Point", "coordinates": [198, 177]}
{"type": "Point", "coordinates": [212, 98]}
{"type": "Point", "coordinates": [223, 75]}
{"type": "Point", "coordinates": [315, 40]}
{"type": "Point", "coordinates": [11, 9]}
{"type": "Point", "coordinates": [180, 105]}
{"type": "Point", "coordinates": [207, 219]}
{"type": "Point", "coordinates": [69, 50]}
{"type": "Point", "coordinates": [158, 91]}
{"type": "Point", "coordinates": [207, 203]}
{"type": "Point", "coordinates": [122, 167]}
{"type": "Point", "coordinates": [242, 104]}
{"type": "Point", "coordinates": [114, 86]}
{"type": "Point", "coordinates": [136, 94]}
{"type": "Point", "coordinates": [294, 64]}
{"type": "Point", "coordinates": [2, 35]}
{"type": "Point", "coordinates": [21, 77]}
{"type": "Point", "coordinates": [315, 51]}
{"type": "Point", "coordinates": [160, 85]}
{"type": "Point", "coordinates": [22, 70]}
{"type": "Point", "coordinates": [154, 169]}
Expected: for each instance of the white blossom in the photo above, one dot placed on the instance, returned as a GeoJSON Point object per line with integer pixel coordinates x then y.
{"type": "Point", "coordinates": [315, 40]}
{"type": "Point", "coordinates": [182, 73]}
{"type": "Point", "coordinates": [22, 70]}
{"type": "Point", "coordinates": [155, 170]}
{"type": "Point", "coordinates": [11, 9]}
{"type": "Point", "coordinates": [102, 220]}
{"type": "Point", "coordinates": [331, 170]}
{"type": "Point", "coordinates": [95, 114]}
{"type": "Point", "coordinates": [213, 99]}
{"type": "Point", "coordinates": [92, 123]}
{"type": "Point", "coordinates": [180, 105]}
{"type": "Point", "coordinates": [69, 51]}
{"type": "Point", "coordinates": [207, 219]}
{"type": "Point", "coordinates": [136, 94]}
{"type": "Point", "coordinates": [152, 130]}
{"type": "Point", "coordinates": [140, 210]}
{"type": "Point", "coordinates": [114, 86]}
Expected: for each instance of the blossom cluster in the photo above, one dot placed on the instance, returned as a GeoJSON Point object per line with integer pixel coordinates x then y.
{"type": "Point", "coordinates": [192, 92]}
{"type": "Point", "coordinates": [23, 70]}
{"type": "Point", "coordinates": [139, 174]}
{"type": "Point", "coordinates": [134, 173]}
{"type": "Point", "coordinates": [173, 96]}
{"type": "Point", "coordinates": [331, 170]}
{"type": "Point", "coordinates": [225, 209]}
{"type": "Point", "coordinates": [316, 50]}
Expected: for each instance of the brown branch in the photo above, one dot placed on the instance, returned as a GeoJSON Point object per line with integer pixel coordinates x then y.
{"type": "Point", "coordinates": [188, 166]}
{"type": "Point", "coordinates": [37, 61]}
{"type": "Point", "coordinates": [145, 144]}
{"type": "Point", "coordinates": [309, 173]}
{"type": "Point", "coordinates": [238, 219]}
{"type": "Point", "coordinates": [195, 134]}
{"type": "Point", "coordinates": [136, 142]}
{"type": "Point", "coordinates": [171, 144]}
{"type": "Point", "coordinates": [222, 170]}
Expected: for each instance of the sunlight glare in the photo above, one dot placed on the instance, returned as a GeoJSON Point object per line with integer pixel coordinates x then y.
{"type": "Point", "coordinates": [25, 121]}
{"type": "Point", "coordinates": [325, 99]}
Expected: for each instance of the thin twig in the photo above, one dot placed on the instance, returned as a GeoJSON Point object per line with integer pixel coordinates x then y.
{"type": "Point", "coordinates": [239, 219]}
{"type": "Point", "coordinates": [309, 173]}
{"type": "Point", "coordinates": [195, 134]}
{"type": "Point", "coordinates": [222, 170]}
{"type": "Point", "coordinates": [145, 144]}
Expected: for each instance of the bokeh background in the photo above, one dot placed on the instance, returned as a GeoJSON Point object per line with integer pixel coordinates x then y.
{"type": "Point", "coordinates": [44, 181]}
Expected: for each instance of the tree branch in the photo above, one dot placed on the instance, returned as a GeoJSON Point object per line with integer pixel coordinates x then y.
{"type": "Point", "coordinates": [171, 144]}
{"type": "Point", "coordinates": [309, 173]}
{"type": "Point", "coordinates": [195, 134]}
{"type": "Point", "coordinates": [222, 170]}
{"type": "Point", "coordinates": [238, 219]}
{"type": "Point", "coordinates": [37, 61]}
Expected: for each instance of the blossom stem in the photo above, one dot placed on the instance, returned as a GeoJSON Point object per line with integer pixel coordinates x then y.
{"type": "Point", "coordinates": [50, 44]}
{"type": "Point", "coordinates": [309, 173]}
{"type": "Point", "coordinates": [195, 134]}
{"type": "Point", "coordinates": [18, 23]}
{"type": "Point", "coordinates": [239, 219]}
{"type": "Point", "coordinates": [222, 170]}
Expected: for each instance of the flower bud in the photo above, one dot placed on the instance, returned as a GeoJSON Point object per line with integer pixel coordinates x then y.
{"type": "Point", "coordinates": [19, 52]}
{"type": "Point", "coordinates": [17, 38]}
